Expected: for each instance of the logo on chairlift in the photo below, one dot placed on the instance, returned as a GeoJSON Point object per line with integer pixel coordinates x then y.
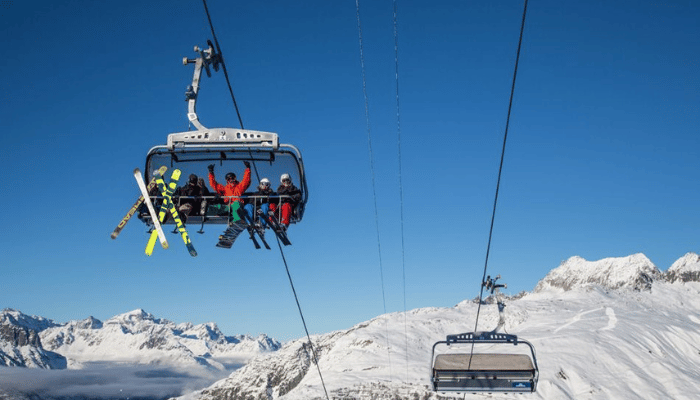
{"type": "Point", "coordinates": [521, 384]}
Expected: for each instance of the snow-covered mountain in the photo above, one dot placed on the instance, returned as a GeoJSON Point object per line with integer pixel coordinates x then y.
{"type": "Point", "coordinates": [136, 337]}
{"type": "Point", "coordinates": [686, 269]}
{"type": "Point", "coordinates": [20, 342]}
{"type": "Point", "coordinates": [636, 272]}
{"type": "Point", "coordinates": [609, 329]}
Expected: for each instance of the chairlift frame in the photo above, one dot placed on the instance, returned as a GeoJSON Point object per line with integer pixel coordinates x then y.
{"type": "Point", "coordinates": [221, 146]}
{"type": "Point", "coordinates": [487, 371]}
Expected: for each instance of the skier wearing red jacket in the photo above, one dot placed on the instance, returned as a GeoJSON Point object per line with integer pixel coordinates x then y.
{"type": "Point", "coordinates": [231, 191]}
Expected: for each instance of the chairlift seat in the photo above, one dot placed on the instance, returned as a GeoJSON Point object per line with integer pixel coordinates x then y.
{"type": "Point", "coordinates": [484, 362]}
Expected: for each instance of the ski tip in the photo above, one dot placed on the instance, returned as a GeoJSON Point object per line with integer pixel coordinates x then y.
{"type": "Point", "coordinates": [137, 171]}
{"type": "Point", "coordinates": [193, 253]}
{"type": "Point", "coordinates": [165, 245]}
{"type": "Point", "coordinates": [114, 235]}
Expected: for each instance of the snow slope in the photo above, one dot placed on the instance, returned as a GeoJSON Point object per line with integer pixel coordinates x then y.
{"type": "Point", "coordinates": [609, 329]}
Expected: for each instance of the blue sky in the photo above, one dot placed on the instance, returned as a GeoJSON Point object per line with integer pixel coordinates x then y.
{"type": "Point", "coordinates": [601, 158]}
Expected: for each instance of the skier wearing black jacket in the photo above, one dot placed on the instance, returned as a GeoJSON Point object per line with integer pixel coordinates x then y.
{"type": "Point", "coordinates": [290, 197]}
{"type": "Point", "coordinates": [191, 189]}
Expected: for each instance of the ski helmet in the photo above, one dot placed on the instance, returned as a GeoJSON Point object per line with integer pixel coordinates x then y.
{"type": "Point", "coordinates": [285, 176]}
{"type": "Point", "coordinates": [230, 176]}
{"type": "Point", "coordinates": [264, 182]}
{"type": "Point", "coordinates": [193, 179]}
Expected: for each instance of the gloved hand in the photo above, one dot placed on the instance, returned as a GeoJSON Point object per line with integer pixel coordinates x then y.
{"type": "Point", "coordinates": [247, 164]}
{"type": "Point", "coordinates": [210, 167]}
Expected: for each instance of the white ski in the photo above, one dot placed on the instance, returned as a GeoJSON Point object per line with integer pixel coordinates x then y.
{"type": "Point", "coordinates": [151, 210]}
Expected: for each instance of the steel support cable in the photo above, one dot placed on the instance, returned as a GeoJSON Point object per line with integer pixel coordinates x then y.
{"type": "Point", "coordinates": [398, 140]}
{"type": "Point", "coordinates": [284, 259]}
{"type": "Point", "coordinates": [228, 81]}
{"type": "Point", "coordinates": [371, 166]}
{"type": "Point", "coordinates": [303, 321]}
{"type": "Point", "coordinates": [500, 170]}
{"type": "Point", "coordinates": [223, 64]}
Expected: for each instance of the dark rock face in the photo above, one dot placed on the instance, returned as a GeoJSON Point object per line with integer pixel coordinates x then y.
{"type": "Point", "coordinates": [19, 336]}
{"type": "Point", "coordinates": [685, 276]}
{"type": "Point", "coordinates": [19, 333]}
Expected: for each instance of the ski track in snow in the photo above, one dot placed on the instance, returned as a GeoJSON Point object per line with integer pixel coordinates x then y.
{"type": "Point", "coordinates": [576, 319]}
{"type": "Point", "coordinates": [694, 319]}
{"type": "Point", "coordinates": [612, 319]}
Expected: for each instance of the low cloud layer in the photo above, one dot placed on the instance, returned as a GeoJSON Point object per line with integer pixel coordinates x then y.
{"type": "Point", "coordinates": [99, 381]}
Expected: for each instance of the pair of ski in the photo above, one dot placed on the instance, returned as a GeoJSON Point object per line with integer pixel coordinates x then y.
{"type": "Point", "coordinates": [229, 236]}
{"type": "Point", "coordinates": [276, 227]}
{"type": "Point", "coordinates": [137, 205]}
{"type": "Point", "coordinates": [235, 228]}
{"type": "Point", "coordinates": [252, 230]}
{"type": "Point", "coordinates": [168, 206]}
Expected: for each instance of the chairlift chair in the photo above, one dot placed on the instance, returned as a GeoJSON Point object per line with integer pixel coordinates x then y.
{"type": "Point", "coordinates": [468, 371]}
{"type": "Point", "coordinates": [227, 149]}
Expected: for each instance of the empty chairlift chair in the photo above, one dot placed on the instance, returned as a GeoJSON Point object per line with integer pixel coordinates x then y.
{"type": "Point", "coordinates": [469, 370]}
{"type": "Point", "coordinates": [484, 372]}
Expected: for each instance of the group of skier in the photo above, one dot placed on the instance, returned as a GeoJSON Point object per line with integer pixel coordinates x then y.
{"type": "Point", "coordinates": [232, 199]}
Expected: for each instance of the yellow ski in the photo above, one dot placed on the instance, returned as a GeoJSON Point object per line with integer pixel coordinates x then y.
{"type": "Point", "coordinates": [169, 205]}
{"type": "Point", "coordinates": [158, 231]}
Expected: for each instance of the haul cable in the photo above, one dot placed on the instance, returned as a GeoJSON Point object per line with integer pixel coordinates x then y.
{"type": "Point", "coordinates": [286, 266]}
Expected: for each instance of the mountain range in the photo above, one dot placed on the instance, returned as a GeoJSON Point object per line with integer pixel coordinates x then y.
{"type": "Point", "coordinates": [616, 328]}
{"type": "Point", "coordinates": [135, 337]}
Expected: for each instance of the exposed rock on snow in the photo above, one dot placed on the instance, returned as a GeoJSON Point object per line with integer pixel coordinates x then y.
{"type": "Point", "coordinates": [20, 343]}
{"type": "Point", "coordinates": [634, 272]}
{"type": "Point", "coordinates": [686, 269]}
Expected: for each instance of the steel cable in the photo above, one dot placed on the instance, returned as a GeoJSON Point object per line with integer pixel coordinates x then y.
{"type": "Point", "coordinates": [500, 171]}
{"type": "Point", "coordinates": [371, 166]}
{"type": "Point", "coordinates": [284, 259]}
{"type": "Point", "coordinates": [398, 140]}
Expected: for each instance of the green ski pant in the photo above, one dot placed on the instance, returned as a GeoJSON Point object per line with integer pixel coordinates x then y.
{"type": "Point", "coordinates": [225, 209]}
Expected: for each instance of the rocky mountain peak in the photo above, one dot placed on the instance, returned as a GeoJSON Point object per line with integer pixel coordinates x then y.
{"type": "Point", "coordinates": [685, 269]}
{"type": "Point", "coordinates": [635, 272]}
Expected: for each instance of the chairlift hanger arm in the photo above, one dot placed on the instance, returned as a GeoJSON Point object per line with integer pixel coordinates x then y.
{"type": "Point", "coordinates": [206, 57]}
